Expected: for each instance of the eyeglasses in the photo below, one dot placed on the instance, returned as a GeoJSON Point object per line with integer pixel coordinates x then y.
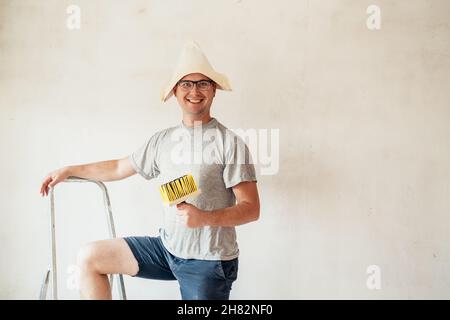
{"type": "Point", "coordinates": [202, 85]}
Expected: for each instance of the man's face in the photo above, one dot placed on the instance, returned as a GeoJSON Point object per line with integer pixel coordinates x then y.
{"type": "Point", "coordinates": [196, 101]}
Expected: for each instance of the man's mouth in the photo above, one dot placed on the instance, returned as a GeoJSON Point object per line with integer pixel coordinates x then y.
{"type": "Point", "coordinates": [194, 101]}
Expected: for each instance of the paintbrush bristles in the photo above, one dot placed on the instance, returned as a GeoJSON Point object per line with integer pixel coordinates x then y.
{"type": "Point", "coordinates": [178, 189]}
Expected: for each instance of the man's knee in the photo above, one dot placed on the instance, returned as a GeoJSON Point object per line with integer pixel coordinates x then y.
{"type": "Point", "coordinates": [87, 256]}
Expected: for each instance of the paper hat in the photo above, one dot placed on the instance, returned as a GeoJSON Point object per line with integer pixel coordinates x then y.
{"type": "Point", "coordinates": [193, 60]}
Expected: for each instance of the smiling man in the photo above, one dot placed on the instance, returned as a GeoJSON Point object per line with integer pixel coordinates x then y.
{"type": "Point", "coordinates": [197, 243]}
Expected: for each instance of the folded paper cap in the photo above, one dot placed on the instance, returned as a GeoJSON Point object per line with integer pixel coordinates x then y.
{"type": "Point", "coordinates": [193, 60]}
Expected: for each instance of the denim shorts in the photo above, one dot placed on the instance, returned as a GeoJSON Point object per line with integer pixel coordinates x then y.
{"type": "Point", "coordinates": [198, 279]}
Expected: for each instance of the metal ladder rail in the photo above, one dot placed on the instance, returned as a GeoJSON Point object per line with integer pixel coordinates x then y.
{"type": "Point", "coordinates": [51, 274]}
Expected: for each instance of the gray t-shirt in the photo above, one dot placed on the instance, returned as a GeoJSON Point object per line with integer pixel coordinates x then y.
{"type": "Point", "coordinates": [218, 159]}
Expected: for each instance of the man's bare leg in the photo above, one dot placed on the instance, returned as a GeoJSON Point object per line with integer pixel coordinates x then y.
{"type": "Point", "coordinates": [98, 259]}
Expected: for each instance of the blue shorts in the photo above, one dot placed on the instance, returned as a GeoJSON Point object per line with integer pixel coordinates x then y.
{"type": "Point", "coordinates": [198, 279]}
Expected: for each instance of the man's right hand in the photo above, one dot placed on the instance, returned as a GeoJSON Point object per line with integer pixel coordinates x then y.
{"type": "Point", "coordinates": [54, 178]}
{"type": "Point", "coordinates": [109, 170]}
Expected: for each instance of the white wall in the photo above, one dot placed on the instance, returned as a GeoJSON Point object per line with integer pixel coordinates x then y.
{"type": "Point", "coordinates": [364, 130]}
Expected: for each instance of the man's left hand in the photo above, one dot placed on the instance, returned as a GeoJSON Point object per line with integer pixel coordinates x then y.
{"type": "Point", "coordinates": [191, 216]}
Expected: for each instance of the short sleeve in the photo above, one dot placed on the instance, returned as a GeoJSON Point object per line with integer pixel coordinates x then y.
{"type": "Point", "coordinates": [238, 162]}
{"type": "Point", "coordinates": [144, 159]}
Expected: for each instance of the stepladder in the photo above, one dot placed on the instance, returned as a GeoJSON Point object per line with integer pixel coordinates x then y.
{"type": "Point", "coordinates": [51, 274]}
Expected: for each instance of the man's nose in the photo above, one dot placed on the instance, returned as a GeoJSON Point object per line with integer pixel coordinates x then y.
{"type": "Point", "coordinates": [194, 91]}
{"type": "Point", "coordinates": [194, 88]}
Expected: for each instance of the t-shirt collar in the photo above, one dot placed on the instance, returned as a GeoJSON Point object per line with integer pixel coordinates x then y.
{"type": "Point", "coordinates": [210, 124]}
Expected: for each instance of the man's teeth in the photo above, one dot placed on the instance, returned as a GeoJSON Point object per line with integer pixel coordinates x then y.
{"type": "Point", "coordinates": [194, 100]}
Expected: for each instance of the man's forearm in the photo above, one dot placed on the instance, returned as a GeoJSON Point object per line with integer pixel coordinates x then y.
{"type": "Point", "coordinates": [232, 216]}
{"type": "Point", "coordinates": [98, 171]}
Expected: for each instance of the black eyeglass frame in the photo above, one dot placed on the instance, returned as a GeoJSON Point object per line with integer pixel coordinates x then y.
{"type": "Point", "coordinates": [194, 83]}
